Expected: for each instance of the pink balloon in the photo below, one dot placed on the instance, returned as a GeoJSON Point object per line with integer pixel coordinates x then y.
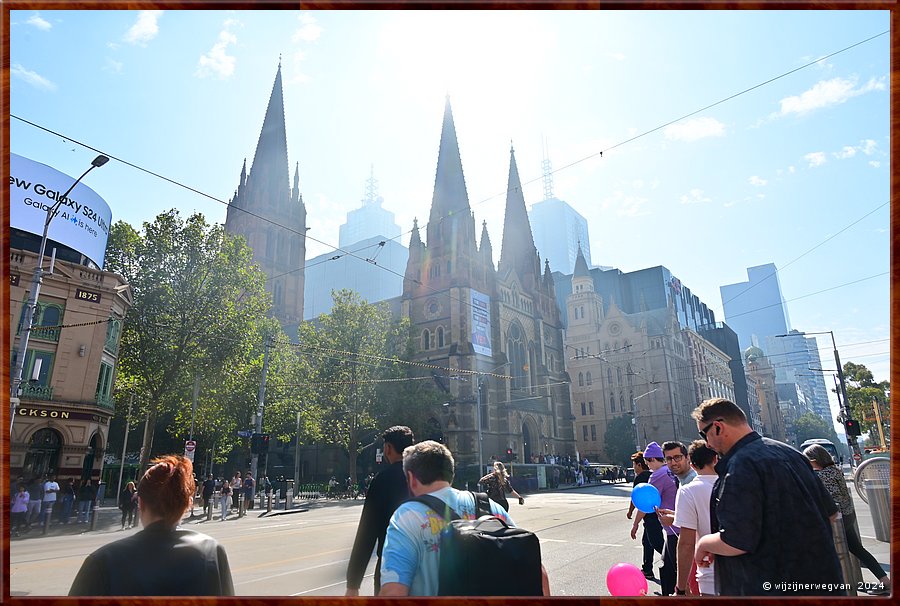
{"type": "Point", "coordinates": [626, 580]}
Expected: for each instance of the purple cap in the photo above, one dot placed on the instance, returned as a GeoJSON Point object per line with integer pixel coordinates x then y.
{"type": "Point", "coordinates": [653, 451]}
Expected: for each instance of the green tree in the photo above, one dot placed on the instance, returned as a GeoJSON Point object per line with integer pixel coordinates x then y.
{"type": "Point", "coordinates": [618, 441]}
{"type": "Point", "coordinates": [197, 297]}
{"type": "Point", "coordinates": [864, 394]}
{"type": "Point", "coordinates": [809, 426]}
{"type": "Point", "coordinates": [351, 353]}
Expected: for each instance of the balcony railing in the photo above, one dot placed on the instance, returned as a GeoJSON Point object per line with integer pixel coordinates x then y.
{"type": "Point", "coordinates": [105, 401]}
{"type": "Point", "coordinates": [37, 392]}
{"type": "Point", "coordinates": [45, 334]}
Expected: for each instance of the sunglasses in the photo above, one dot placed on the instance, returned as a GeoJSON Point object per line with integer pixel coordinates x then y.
{"type": "Point", "coordinates": [703, 431]}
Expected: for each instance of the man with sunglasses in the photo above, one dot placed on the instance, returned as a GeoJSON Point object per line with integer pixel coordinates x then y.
{"type": "Point", "coordinates": [771, 532]}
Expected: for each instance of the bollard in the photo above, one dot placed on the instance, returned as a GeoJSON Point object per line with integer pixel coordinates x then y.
{"type": "Point", "coordinates": [879, 497]}
{"type": "Point", "coordinates": [95, 513]}
{"type": "Point", "coordinates": [849, 565]}
{"type": "Point", "coordinates": [49, 512]}
{"type": "Point", "coordinates": [289, 499]}
{"type": "Point", "coordinates": [268, 502]}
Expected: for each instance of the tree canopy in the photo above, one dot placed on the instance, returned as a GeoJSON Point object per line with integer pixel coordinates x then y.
{"type": "Point", "coordinates": [619, 440]}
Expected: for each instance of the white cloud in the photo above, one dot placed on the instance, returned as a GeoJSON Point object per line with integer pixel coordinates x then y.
{"type": "Point", "coordinates": [626, 204]}
{"type": "Point", "coordinates": [617, 56]}
{"type": "Point", "coordinates": [695, 196]}
{"type": "Point", "coordinates": [815, 159]}
{"type": "Point", "coordinates": [867, 147]}
{"type": "Point", "coordinates": [827, 92]}
{"type": "Point", "coordinates": [757, 181]}
{"type": "Point", "coordinates": [309, 30]}
{"type": "Point", "coordinates": [33, 78]}
{"type": "Point", "coordinates": [874, 163]}
{"type": "Point", "coordinates": [217, 61]}
{"type": "Point", "coordinates": [38, 22]}
{"type": "Point", "coordinates": [694, 129]}
{"type": "Point", "coordinates": [847, 152]}
{"type": "Point", "coordinates": [145, 29]}
{"type": "Point", "coordinates": [791, 169]}
{"type": "Point", "coordinates": [112, 66]}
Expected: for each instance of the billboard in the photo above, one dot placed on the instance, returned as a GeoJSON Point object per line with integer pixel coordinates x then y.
{"type": "Point", "coordinates": [481, 322]}
{"type": "Point", "coordinates": [82, 219]}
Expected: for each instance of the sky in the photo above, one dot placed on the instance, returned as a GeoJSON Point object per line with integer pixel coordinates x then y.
{"type": "Point", "coordinates": [730, 139]}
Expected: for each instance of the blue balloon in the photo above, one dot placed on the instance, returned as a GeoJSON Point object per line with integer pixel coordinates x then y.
{"type": "Point", "coordinates": [645, 497]}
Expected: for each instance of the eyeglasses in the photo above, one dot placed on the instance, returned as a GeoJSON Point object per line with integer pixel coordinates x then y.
{"type": "Point", "coordinates": [703, 431]}
{"type": "Point", "coordinates": [675, 458]}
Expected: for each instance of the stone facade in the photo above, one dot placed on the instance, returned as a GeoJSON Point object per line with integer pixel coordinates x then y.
{"type": "Point", "coordinates": [271, 216]}
{"type": "Point", "coordinates": [66, 402]}
{"type": "Point", "coordinates": [498, 328]}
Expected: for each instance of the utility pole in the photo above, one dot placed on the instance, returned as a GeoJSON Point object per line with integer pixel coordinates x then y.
{"type": "Point", "coordinates": [124, 446]}
{"type": "Point", "coordinates": [260, 402]}
{"type": "Point", "coordinates": [880, 424]}
{"type": "Point", "coordinates": [478, 386]}
{"type": "Point", "coordinates": [297, 455]}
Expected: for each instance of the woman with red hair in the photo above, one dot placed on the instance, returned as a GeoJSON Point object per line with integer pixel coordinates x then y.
{"type": "Point", "coordinates": [161, 559]}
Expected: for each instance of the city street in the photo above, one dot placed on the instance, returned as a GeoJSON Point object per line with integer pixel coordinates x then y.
{"type": "Point", "coordinates": [583, 533]}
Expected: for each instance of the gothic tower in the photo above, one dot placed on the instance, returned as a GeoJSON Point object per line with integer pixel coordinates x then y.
{"type": "Point", "coordinates": [270, 215]}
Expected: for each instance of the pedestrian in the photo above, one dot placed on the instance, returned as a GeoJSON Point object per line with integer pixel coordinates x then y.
{"type": "Point", "coordinates": [225, 499]}
{"type": "Point", "coordinates": [19, 509]}
{"type": "Point", "coordinates": [650, 520]}
{"type": "Point", "coordinates": [249, 491]}
{"type": "Point", "coordinates": [770, 515]}
{"type": "Point", "coordinates": [666, 542]}
{"type": "Point", "coordinates": [162, 559]}
{"type": "Point", "coordinates": [691, 515]}
{"type": "Point", "coordinates": [833, 479]}
{"type": "Point", "coordinates": [128, 503]}
{"type": "Point", "coordinates": [266, 486]}
{"type": "Point", "coordinates": [676, 457]}
{"type": "Point", "coordinates": [385, 493]}
{"type": "Point", "coordinates": [85, 500]}
{"type": "Point", "coordinates": [207, 492]}
{"type": "Point", "coordinates": [236, 485]}
{"type": "Point", "coordinates": [67, 500]}
{"type": "Point", "coordinates": [50, 488]}
{"type": "Point", "coordinates": [496, 485]}
{"type": "Point", "coordinates": [555, 477]}
{"type": "Point", "coordinates": [413, 542]}
{"type": "Point", "coordinates": [36, 493]}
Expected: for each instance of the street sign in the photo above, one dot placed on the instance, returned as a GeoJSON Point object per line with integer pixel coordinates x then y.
{"type": "Point", "coordinates": [244, 434]}
{"type": "Point", "coordinates": [857, 456]}
{"type": "Point", "coordinates": [189, 447]}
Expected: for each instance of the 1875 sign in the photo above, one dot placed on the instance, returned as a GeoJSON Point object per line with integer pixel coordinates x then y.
{"type": "Point", "coordinates": [87, 295]}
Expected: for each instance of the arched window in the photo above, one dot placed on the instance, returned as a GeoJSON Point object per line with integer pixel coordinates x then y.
{"type": "Point", "coordinates": [426, 339]}
{"type": "Point", "coordinates": [440, 335]}
{"type": "Point", "coordinates": [619, 376]}
{"type": "Point", "coordinates": [515, 346]}
{"type": "Point", "coordinates": [590, 381]}
{"type": "Point", "coordinates": [609, 375]}
{"type": "Point", "coordinates": [612, 403]}
{"type": "Point", "coordinates": [581, 379]}
{"type": "Point", "coordinates": [622, 403]}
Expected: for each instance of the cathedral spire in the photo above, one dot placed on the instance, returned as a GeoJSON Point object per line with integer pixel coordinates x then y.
{"type": "Point", "coordinates": [415, 240]}
{"type": "Point", "coordinates": [450, 197]}
{"type": "Point", "coordinates": [271, 151]}
{"type": "Point", "coordinates": [581, 268]}
{"type": "Point", "coordinates": [517, 250]}
{"type": "Point", "coordinates": [295, 192]}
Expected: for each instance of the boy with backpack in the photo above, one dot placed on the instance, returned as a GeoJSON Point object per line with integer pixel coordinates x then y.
{"type": "Point", "coordinates": [437, 545]}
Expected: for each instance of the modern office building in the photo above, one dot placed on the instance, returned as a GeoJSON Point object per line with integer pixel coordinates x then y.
{"type": "Point", "coordinates": [796, 361]}
{"type": "Point", "coordinates": [558, 231]}
{"type": "Point", "coordinates": [271, 216]}
{"type": "Point", "coordinates": [369, 220]}
{"type": "Point", "coordinates": [756, 308]}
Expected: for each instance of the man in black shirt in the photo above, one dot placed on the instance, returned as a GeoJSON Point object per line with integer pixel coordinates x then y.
{"type": "Point", "coordinates": [771, 532]}
{"type": "Point", "coordinates": [386, 492]}
{"type": "Point", "coordinates": [651, 521]}
{"type": "Point", "coordinates": [209, 488]}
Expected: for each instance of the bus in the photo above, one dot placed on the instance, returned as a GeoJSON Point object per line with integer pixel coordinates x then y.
{"type": "Point", "coordinates": [826, 444]}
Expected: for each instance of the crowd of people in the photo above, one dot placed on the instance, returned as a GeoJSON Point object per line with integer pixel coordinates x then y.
{"type": "Point", "coordinates": [738, 515]}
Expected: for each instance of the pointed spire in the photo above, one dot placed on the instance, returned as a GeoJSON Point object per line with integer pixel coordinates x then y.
{"type": "Point", "coordinates": [548, 277]}
{"type": "Point", "coordinates": [244, 172]}
{"type": "Point", "coordinates": [517, 249]}
{"type": "Point", "coordinates": [415, 241]}
{"type": "Point", "coordinates": [485, 244]}
{"type": "Point", "coordinates": [581, 268]}
{"type": "Point", "coordinates": [295, 193]}
{"type": "Point", "coordinates": [271, 150]}
{"type": "Point", "coordinates": [450, 196]}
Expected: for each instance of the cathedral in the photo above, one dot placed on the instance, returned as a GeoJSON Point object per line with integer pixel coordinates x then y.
{"type": "Point", "coordinates": [270, 215]}
{"type": "Point", "coordinates": [498, 330]}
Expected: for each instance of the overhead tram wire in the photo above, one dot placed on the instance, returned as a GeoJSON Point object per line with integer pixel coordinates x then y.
{"type": "Point", "coordinates": [600, 153]}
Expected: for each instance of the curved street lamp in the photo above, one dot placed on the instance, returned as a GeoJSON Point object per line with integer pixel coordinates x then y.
{"type": "Point", "coordinates": [36, 280]}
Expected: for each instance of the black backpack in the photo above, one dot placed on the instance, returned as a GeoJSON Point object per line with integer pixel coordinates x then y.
{"type": "Point", "coordinates": [486, 556]}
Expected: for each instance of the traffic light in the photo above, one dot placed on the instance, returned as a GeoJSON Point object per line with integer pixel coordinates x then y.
{"type": "Point", "coordinates": [263, 443]}
{"type": "Point", "coordinates": [852, 427]}
{"type": "Point", "coordinates": [509, 455]}
{"type": "Point", "coordinates": [254, 443]}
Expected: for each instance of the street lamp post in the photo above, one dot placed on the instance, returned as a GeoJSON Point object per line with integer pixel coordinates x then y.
{"type": "Point", "coordinates": [634, 416]}
{"type": "Point", "coordinates": [31, 305]}
{"type": "Point", "coordinates": [845, 404]}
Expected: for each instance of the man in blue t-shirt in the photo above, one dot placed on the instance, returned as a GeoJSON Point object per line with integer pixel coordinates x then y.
{"type": "Point", "coordinates": [412, 546]}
